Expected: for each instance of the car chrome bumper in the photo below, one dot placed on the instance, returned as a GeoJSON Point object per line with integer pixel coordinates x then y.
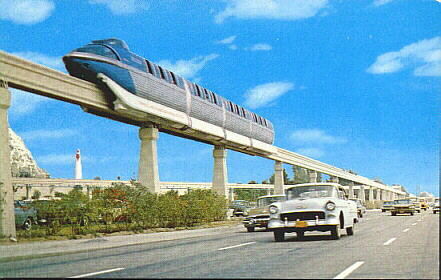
{"type": "Point", "coordinates": [278, 224]}
{"type": "Point", "coordinates": [256, 222]}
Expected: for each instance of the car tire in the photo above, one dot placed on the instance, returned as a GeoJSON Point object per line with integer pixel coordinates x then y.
{"type": "Point", "coordinates": [27, 224]}
{"type": "Point", "coordinates": [250, 229]}
{"type": "Point", "coordinates": [300, 235]}
{"type": "Point", "coordinates": [361, 215]}
{"type": "Point", "coordinates": [350, 230]}
{"type": "Point", "coordinates": [279, 235]}
{"type": "Point", "coordinates": [394, 214]}
{"type": "Point", "coordinates": [411, 213]}
{"type": "Point", "coordinates": [335, 232]}
{"type": "Point", "coordinates": [383, 210]}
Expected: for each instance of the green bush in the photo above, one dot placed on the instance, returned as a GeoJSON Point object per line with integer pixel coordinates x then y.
{"type": "Point", "coordinates": [122, 207]}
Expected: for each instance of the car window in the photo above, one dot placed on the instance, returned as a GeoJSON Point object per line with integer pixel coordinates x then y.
{"type": "Point", "coordinates": [310, 192]}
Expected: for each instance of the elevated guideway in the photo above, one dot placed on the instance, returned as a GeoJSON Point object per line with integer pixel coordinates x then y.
{"type": "Point", "coordinates": [28, 76]}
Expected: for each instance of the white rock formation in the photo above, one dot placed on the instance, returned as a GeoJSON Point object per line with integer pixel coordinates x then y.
{"type": "Point", "coordinates": [22, 162]}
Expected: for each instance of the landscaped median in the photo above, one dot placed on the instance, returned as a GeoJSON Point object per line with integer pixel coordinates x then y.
{"type": "Point", "coordinates": [123, 209]}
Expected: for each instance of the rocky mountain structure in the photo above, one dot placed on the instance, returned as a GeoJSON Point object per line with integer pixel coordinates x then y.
{"type": "Point", "coordinates": [22, 162]}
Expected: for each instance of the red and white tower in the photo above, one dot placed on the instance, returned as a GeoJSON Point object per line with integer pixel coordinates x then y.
{"type": "Point", "coordinates": [78, 167]}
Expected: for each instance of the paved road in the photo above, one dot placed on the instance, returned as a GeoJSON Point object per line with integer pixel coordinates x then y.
{"type": "Point", "coordinates": [383, 246]}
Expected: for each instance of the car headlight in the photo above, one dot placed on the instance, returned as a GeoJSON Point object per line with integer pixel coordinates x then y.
{"type": "Point", "coordinates": [273, 209]}
{"type": "Point", "coordinates": [330, 206]}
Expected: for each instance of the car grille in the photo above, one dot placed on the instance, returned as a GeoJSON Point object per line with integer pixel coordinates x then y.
{"type": "Point", "coordinates": [302, 216]}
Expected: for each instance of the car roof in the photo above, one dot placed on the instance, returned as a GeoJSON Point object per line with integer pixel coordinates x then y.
{"type": "Point", "coordinates": [271, 195]}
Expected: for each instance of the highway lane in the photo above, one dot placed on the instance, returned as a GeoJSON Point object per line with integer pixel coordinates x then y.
{"type": "Point", "coordinates": [383, 246]}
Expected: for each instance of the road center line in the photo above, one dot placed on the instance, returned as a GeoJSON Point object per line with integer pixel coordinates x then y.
{"type": "Point", "coordinates": [389, 241]}
{"type": "Point", "coordinates": [349, 270]}
{"type": "Point", "coordinates": [243, 244]}
{"type": "Point", "coordinates": [414, 224]}
{"type": "Point", "coordinates": [98, 272]}
{"type": "Point", "coordinates": [406, 230]}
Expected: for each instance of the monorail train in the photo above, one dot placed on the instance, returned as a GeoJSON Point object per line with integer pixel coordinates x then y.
{"type": "Point", "coordinates": [111, 60]}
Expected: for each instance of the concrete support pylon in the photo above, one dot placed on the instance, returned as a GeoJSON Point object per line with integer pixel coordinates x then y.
{"type": "Point", "coordinates": [231, 194]}
{"type": "Point", "coordinates": [312, 176]}
{"type": "Point", "coordinates": [279, 181]}
{"type": "Point", "coordinates": [371, 194]}
{"type": "Point", "coordinates": [220, 172]}
{"type": "Point", "coordinates": [351, 190]}
{"type": "Point", "coordinates": [361, 194]}
{"type": "Point", "coordinates": [334, 179]}
{"type": "Point", "coordinates": [378, 198]}
{"type": "Point", "coordinates": [148, 174]}
{"type": "Point", "coordinates": [7, 215]}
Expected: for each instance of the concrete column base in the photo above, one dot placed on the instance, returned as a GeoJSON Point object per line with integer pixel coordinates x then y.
{"type": "Point", "coordinates": [278, 178]}
{"type": "Point", "coordinates": [7, 214]}
{"type": "Point", "coordinates": [220, 173]}
{"type": "Point", "coordinates": [148, 174]}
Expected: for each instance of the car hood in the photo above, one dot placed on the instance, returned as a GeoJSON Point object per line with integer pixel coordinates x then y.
{"type": "Point", "coordinates": [259, 210]}
{"type": "Point", "coordinates": [302, 204]}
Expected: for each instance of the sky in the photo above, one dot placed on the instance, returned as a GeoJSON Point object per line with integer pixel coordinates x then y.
{"type": "Point", "coordinates": [353, 83]}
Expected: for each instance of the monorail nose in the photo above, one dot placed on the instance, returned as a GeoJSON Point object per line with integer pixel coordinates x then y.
{"type": "Point", "coordinates": [80, 68]}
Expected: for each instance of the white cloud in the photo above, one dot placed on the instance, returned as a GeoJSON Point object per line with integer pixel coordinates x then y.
{"type": "Point", "coordinates": [227, 40]}
{"type": "Point", "coordinates": [48, 134]}
{"type": "Point", "coordinates": [424, 55]}
{"type": "Point", "coordinates": [26, 11]}
{"type": "Point", "coordinates": [119, 7]}
{"type": "Point", "coordinates": [315, 136]}
{"type": "Point", "coordinates": [311, 152]}
{"type": "Point", "coordinates": [260, 47]}
{"type": "Point", "coordinates": [381, 2]}
{"type": "Point", "coordinates": [49, 61]}
{"type": "Point", "coordinates": [262, 95]}
{"type": "Point", "coordinates": [25, 103]}
{"type": "Point", "coordinates": [232, 47]}
{"type": "Point", "coordinates": [188, 68]}
{"type": "Point", "coordinates": [271, 9]}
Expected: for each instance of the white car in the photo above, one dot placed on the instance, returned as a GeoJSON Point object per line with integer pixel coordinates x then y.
{"type": "Point", "coordinates": [313, 207]}
{"type": "Point", "coordinates": [436, 206]}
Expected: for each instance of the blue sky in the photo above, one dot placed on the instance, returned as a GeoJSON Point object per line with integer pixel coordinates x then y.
{"type": "Point", "coordinates": [355, 84]}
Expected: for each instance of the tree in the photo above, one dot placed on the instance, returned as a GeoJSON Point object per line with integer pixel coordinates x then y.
{"type": "Point", "coordinates": [300, 175]}
{"type": "Point", "coordinates": [36, 195]}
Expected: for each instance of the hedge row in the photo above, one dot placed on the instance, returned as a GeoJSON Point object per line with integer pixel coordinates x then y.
{"type": "Point", "coordinates": [133, 207]}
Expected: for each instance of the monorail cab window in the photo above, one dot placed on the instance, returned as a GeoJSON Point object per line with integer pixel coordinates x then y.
{"type": "Point", "coordinates": [192, 88]}
{"type": "Point", "coordinates": [98, 50]}
{"type": "Point", "coordinates": [165, 75]}
{"type": "Point", "coordinates": [200, 91]}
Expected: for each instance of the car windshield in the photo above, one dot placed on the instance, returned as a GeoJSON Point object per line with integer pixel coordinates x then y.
{"type": "Point", "coordinates": [403, 201]}
{"type": "Point", "coordinates": [239, 203]}
{"type": "Point", "coordinates": [264, 201]}
{"type": "Point", "coordinates": [309, 192]}
{"type": "Point", "coordinates": [437, 200]}
{"type": "Point", "coordinates": [388, 203]}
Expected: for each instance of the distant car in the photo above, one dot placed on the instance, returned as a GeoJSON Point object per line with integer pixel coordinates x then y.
{"type": "Point", "coordinates": [403, 206]}
{"type": "Point", "coordinates": [313, 207]}
{"type": "Point", "coordinates": [436, 206]}
{"type": "Point", "coordinates": [361, 209]}
{"type": "Point", "coordinates": [417, 204]}
{"type": "Point", "coordinates": [240, 207]}
{"type": "Point", "coordinates": [259, 216]}
{"type": "Point", "coordinates": [387, 206]}
{"type": "Point", "coordinates": [25, 214]}
{"type": "Point", "coordinates": [424, 205]}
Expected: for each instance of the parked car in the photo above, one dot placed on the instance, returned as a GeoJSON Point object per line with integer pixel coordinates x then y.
{"type": "Point", "coordinates": [403, 206]}
{"type": "Point", "coordinates": [436, 206]}
{"type": "Point", "coordinates": [259, 215]}
{"type": "Point", "coordinates": [361, 209]}
{"type": "Point", "coordinates": [424, 205]}
{"type": "Point", "coordinates": [25, 214]}
{"type": "Point", "coordinates": [313, 207]}
{"type": "Point", "coordinates": [387, 206]}
{"type": "Point", "coordinates": [241, 207]}
{"type": "Point", "coordinates": [416, 204]}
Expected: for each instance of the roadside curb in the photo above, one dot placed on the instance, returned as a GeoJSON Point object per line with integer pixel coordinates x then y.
{"type": "Point", "coordinates": [52, 248]}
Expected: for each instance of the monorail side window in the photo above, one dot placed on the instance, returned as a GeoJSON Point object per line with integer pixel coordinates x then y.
{"type": "Point", "coordinates": [178, 80]}
{"type": "Point", "coordinates": [192, 88]}
{"type": "Point", "coordinates": [200, 91]}
{"type": "Point", "coordinates": [154, 69]}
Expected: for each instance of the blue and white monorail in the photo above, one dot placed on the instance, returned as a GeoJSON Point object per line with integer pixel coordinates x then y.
{"type": "Point", "coordinates": [112, 59]}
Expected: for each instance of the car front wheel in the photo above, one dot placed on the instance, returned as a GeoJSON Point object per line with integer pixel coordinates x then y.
{"type": "Point", "coordinates": [250, 229]}
{"type": "Point", "coordinates": [350, 230]}
{"type": "Point", "coordinates": [335, 232]}
{"type": "Point", "coordinates": [27, 225]}
{"type": "Point", "coordinates": [279, 236]}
